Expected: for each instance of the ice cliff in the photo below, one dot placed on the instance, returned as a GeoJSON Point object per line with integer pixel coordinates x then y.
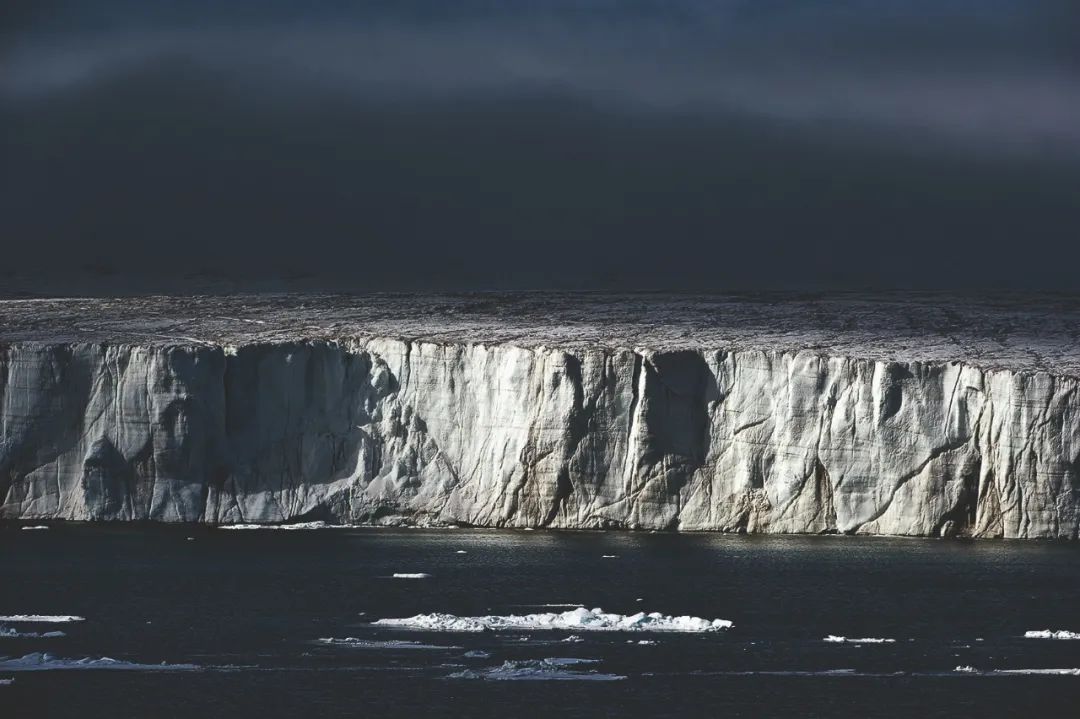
{"type": "Point", "coordinates": [226, 425]}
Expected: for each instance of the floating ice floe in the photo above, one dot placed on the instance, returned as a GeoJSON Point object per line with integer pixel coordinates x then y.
{"type": "Point", "coordinates": [411, 575]}
{"type": "Point", "coordinates": [579, 619]}
{"type": "Point", "coordinates": [1051, 672]}
{"type": "Point", "coordinates": [573, 639]}
{"type": "Point", "coordinates": [863, 640]}
{"type": "Point", "coordinates": [297, 525]}
{"type": "Point", "coordinates": [554, 669]}
{"type": "Point", "coordinates": [41, 618]}
{"type": "Point", "coordinates": [8, 633]}
{"type": "Point", "coordinates": [1050, 634]}
{"type": "Point", "coordinates": [461, 551]}
{"type": "Point", "coordinates": [355, 643]}
{"type": "Point", "coordinates": [6, 682]}
{"type": "Point", "coordinates": [41, 661]}
{"type": "Point", "coordinates": [609, 556]}
{"type": "Point", "coordinates": [1069, 672]}
{"type": "Point", "coordinates": [35, 527]}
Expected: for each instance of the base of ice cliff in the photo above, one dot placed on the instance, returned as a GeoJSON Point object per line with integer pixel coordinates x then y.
{"type": "Point", "coordinates": [894, 414]}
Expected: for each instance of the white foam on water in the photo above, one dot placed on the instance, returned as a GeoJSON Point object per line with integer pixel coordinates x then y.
{"type": "Point", "coordinates": [8, 633]}
{"type": "Point", "coordinates": [298, 525]}
{"type": "Point", "coordinates": [609, 556]}
{"type": "Point", "coordinates": [1050, 634]}
{"type": "Point", "coordinates": [41, 618]}
{"type": "Point", "coordinates": [477, 654]}
{"type": "Point", "coordinates": [356, 643]}
{"type": "Point", "coordinates": [832, 638]}
{"type": "Point", "coordinates": [411, 575]}
{"type": "Point", "coordinates": [43, 661]}
{"type": "Point", "coordinates": [461, 551]}
{"type": "Point", "coordinates": [573, 639]}
{"type": "Point", "coordinates": [966, 669]}
{"type": "Point", "coordinates": [553, 669]}
{"type": "Point", "coordinates": [35, 527]}
{"type": "Point", "coordinates": [579, 619]}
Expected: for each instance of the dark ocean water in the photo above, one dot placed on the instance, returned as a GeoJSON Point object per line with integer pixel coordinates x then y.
{"type": "Point", "coordinates": [236, 617]}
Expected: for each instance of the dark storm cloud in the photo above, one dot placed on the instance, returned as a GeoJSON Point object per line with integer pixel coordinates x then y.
{"type": "Point", "coordinates": [548, 144]}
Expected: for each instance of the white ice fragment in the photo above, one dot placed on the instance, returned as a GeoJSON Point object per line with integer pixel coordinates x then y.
{"type": "Point", "coordinates": [864, 640]}
{"type": "Point", "coordinates": [609, 556]}
{"type": "Point", "coordinates": [411, 575]}
{"type": "Point", "coordinates": [1049, 634]}
{"type": "Point", "coordinates": [966, 669]}
{"type": "Point", "coordinates": [39, 661]}
{"type": "Point", "coordinates": [41, 618]}
{"type": "Point", "coordinates": [461, 551]}
{"type": "Point", "coordinates": [1071, 672]}
{"type": "Point", "coordinates": [579, 619]}
{"type": "Point", "coordinates": [36, 526]}
{"type": "Point", "coordinates": [6, 633]}
{"type": "Point", "coordinates": [555, 668]}
{"type": "Point", "coordinates": [356, 643]}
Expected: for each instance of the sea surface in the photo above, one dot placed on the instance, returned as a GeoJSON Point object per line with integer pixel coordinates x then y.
{"type": "Point", "coordinates": [198, 622]}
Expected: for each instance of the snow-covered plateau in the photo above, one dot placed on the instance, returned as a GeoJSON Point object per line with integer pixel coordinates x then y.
{"type": "Point", "coordinates": [888, 414]}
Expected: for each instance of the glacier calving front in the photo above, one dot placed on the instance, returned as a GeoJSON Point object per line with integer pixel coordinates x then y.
{"type": "Point", "coordinates": [391, 431]}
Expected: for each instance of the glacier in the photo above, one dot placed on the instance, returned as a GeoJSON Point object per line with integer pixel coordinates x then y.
{"type": "Point", "coordinates": [898, 416]}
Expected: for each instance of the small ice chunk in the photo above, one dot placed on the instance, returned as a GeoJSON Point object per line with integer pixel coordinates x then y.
{"type": "Point", "coordinates": [356, 643]}
{"type": "Point", "coordinates": [461, 551]}
{"type": "Point", "coordinates": [41, 618]}
{"type": "Point", "coordinates": [555, 668]}
{"type": "Point", "coordinates": [477, 654]}
{"type": "Point", "coordinates": [6, 633]}
{"type": "Point", "coordinates": [35, 527]}
{"type": "Point", "coordinates": [863, 640]}
{"type": "Point", "coordinates": [1050, 634]}
{"type": "Point", "coordinates": [966, 669]}
{"type": "Point", "coordinates": [1071, 672]}
{"type": "Point", "coordinates": [411, 575]}
{"type": "Point", "coordinates": [609, 556]}
{"type": "Point", "coordinates": [39, 661]}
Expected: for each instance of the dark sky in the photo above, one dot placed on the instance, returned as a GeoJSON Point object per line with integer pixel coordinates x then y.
{"type": "Point", "coordinates": [629, 144]}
